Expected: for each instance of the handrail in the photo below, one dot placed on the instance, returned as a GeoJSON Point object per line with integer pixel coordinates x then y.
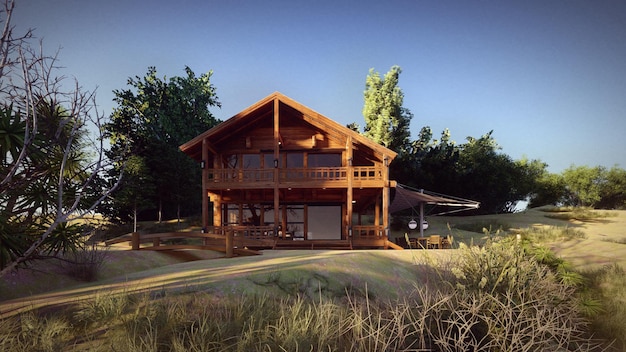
{"type": "Point", "coordinates": [360, 173]}
{"type": "Point", "coordinates": [368, 231]}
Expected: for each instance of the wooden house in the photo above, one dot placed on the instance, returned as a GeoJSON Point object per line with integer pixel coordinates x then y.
{"type": "Point", "coordinates": [278, 174]}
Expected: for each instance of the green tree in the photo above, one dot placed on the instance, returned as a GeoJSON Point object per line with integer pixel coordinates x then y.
{"type": "Point", "coordinates": [387, 122]}
{"type": "Point", "coordinates": [550, 190]}
{"type": "Point", "coordinates": [474, 170]}
{"type": "Point", "coordinates": [583, 184]}
{"type": "Point", "coordinates": [152, 119]}
{"type": "Point", "coordinates": [613, 190]}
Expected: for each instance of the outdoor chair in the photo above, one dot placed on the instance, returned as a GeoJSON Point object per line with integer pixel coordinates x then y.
{"type": "Point", "coordinates": [434, 241]}
{"type": "Point", "coordinates": [446, 242]}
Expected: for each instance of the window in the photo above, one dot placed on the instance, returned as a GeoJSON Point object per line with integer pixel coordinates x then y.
{"type": "Point", "coordinates": [295, 160]}
{"type": "Point", "coordinates": [251, 161]}
{"type": "Point", "coordinates": [268, 161]}
{"type": "Point", "coordinates": [232, 215]}
{"type": "Point", "coordinates": [295, 221]}
{"type": "Point", "coordinates": [230, 161]}
{"type": "Point", "coordinates": [324, 160]}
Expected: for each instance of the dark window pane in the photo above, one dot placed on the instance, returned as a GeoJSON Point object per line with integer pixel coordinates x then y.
{"type": "Point", "coordinates": [324, 160]}
{"type": "Point", "coordinates": [251, 161]}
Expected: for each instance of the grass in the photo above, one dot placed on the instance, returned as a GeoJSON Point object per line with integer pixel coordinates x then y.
{"type": "Point", "coordinates": [510, 293]}
{"type": "Point", "coordinates": [577, 213]}
{"type": "Point", "coordinates": [550, 234]}
{"type": "Point", "coordinates": [490, 226]}
{"type": "Point", "coordinates": [609, 284]}
{"type": "Point", "coordinates": [491, 298]}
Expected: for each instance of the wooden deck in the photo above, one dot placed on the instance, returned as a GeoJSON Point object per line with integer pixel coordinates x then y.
{"type": "Point", "coordinates": [238, 241]}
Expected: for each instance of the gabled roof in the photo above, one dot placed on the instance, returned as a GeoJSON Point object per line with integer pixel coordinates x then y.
{"type": "Point", "coordinates": [264, 109]}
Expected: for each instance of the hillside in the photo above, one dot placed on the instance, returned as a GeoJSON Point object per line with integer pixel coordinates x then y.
{"type": "Point", "coordinates": [381, 273]}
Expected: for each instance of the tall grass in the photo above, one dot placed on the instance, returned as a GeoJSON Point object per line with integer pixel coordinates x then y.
{"type": "Point", "coordinates": [499, 297]}
{"type": "Point", "coordinates": [577, 213]}
{"type": "Point", "coordinates": [550, 234]}
{"type": "Point", "coordinates": [609, 283]}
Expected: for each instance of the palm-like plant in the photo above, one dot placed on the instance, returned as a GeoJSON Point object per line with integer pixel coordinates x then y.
{"type": "Point", "coordinates": [54, 163]}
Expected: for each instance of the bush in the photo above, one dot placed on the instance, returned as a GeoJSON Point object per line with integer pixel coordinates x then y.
{"type": "Point", "coordinates": [85, 263]}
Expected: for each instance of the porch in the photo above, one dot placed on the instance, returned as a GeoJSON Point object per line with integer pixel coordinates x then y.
{"type": "Point", "coordinates": [247, 240]}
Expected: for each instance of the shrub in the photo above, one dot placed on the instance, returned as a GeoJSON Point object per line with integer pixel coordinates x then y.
{"type": "Point", "coordinates": [85, 263]}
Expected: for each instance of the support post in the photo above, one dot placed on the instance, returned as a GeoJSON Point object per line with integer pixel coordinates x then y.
{"type": "Point", "coordinates": [349, 191]}
{"type": "Point", "coordinates": [205, 176]}
{"type": "Point", "coordinates": [386, 192]}
{"type": "Point", "coordinates": [276, 163]}
{"type": "Point", "coordinates": [230, 243]}
{"type": "Point", "coordinates": [135, 241]}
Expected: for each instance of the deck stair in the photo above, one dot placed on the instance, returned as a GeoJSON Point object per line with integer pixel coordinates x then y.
{"type": "Point", "coordinates": [313, 244]}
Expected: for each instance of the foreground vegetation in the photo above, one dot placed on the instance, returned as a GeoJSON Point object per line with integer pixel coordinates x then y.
{"type": "Point", "coordinates": [509, 295]}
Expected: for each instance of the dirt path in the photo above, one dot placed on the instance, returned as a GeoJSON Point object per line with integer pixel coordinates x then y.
{"type": "Point", "coordinates": [604, 244]}
{"type": "Point", "coordinates": [309, 269]}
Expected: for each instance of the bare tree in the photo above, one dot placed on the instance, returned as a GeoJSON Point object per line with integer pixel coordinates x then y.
{"type": "Point", "coordinates": [51, 150]}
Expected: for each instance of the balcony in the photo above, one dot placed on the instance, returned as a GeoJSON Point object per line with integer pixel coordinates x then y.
{"type": "Point", "coordinates": [311, 177]}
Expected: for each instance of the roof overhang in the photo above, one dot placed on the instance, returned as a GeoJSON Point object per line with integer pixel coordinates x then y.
{"type": "Point", "coordinates": [262, 109]}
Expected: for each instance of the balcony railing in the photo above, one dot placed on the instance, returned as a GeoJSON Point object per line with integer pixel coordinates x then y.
{"type": "Point", "coordinates": [360, 173]}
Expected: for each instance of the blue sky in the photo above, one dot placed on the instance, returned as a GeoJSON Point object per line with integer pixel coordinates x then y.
{"type": "Point", "coordinates": [549, 77]}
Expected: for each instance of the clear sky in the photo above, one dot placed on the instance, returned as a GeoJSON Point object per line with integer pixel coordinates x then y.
{"type": "Point", "coordinates": [549, 77]}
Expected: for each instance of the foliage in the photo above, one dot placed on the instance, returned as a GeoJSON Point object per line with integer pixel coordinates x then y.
{"type": "Point", "coordinates": [473, 170]}
{"type": "Point", "coordinates": [386, 120]}
{"type": "Point", "coordinates": [550, 190]}
{"type": "Point", "coordinates": [583, 184]}
{"type": "Point", "coordinates": [49, 162]}
{"type": "Point", "coordinates": [154, 116]}
{"type": "Point", "coordinates": [609, 285]}
{"type": "Point", "coordinates": [613, 190]}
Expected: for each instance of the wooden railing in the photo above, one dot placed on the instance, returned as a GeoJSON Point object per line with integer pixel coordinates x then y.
{"type": "Point", "coordinates": [368, 231]}
{"type": "Point", "coordinates": [248, 232]}
{"type": "Point", "coordinates": [236, 239]}
{"type": "Point", "coordinates": [360, 173]}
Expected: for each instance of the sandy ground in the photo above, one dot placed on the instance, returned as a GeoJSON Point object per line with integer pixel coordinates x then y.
{"type": "Point", "coordinates": [147, 271]}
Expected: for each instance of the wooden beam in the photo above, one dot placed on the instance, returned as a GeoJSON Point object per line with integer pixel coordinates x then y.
{"type": "Point", "coordinates": [276, 160]}
{"type": "Point", "coordinates": [349, 193]}
{"type": "Point", "coordinates": [386, 193]}
{"type": "Point", "coordinates": [205, 176]}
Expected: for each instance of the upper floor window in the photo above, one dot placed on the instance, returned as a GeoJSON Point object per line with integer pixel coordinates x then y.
{"type": "Point", "coordinates": [324, 160]}
{"type": "Point", "coordinates": [230, 161]}
{"type": "Point", "coordinates": [295, 160]}
{"type": "Point", "coordinates": [251, 161]}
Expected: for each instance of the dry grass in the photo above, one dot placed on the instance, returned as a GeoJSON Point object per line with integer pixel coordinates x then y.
{"type": "Point", "coordinates": [405, 300]}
